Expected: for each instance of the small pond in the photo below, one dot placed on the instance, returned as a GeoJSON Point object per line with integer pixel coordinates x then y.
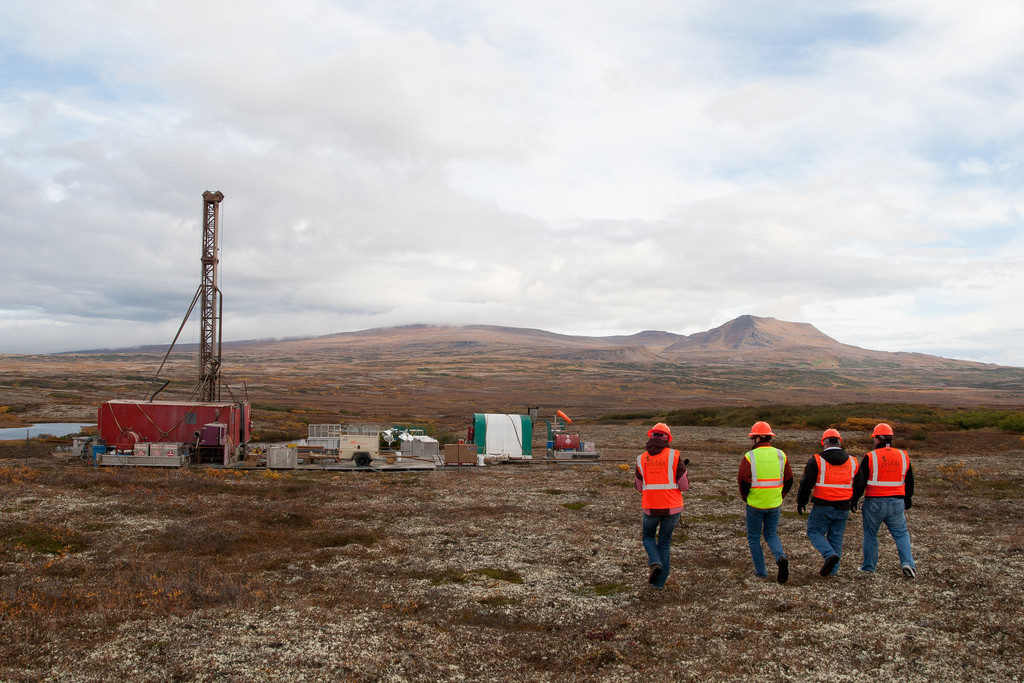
{"type": "Point", "coordinates": [52, 428]}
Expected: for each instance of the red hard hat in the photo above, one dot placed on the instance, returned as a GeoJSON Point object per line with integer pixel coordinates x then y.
{"type": "Point", "coordinates": [761, 429]}
{"type": "Point", "coordinates": [660, 427]}
{"type": "Point", "coordinates": [882, 429]}
{"type": "Point", "coordinates": [830, 434]}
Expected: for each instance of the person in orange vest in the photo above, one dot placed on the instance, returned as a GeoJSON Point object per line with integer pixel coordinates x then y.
{"type": "Point", "coordinates": [661, 479]}
{"type": "Point", "coordinates": [765, 478]}
{"type": "Point", "coordinates": [828, 483]}
{"type": "Point", "coordinates": [886, 479]}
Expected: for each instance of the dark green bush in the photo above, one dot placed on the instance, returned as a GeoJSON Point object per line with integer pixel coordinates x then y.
{"type": "Point", "coordinates": [1007, 420]}
{"type": "Point", "coordinates": [824, 416]}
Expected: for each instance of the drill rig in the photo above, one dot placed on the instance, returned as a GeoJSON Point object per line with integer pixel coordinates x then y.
{"type": "Point", "coordinates": [205, 427]}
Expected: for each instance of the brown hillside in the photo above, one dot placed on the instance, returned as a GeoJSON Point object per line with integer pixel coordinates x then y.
{"type": "Point", "coordinates": [443, 374]}
{"type": "Point", "coordinates": [750, 339]}
{"type": "Point", "coordinates": [749, 332]}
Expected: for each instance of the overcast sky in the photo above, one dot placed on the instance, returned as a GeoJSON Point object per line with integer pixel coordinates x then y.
{"type": "Point", "coordinates": [596, 168]}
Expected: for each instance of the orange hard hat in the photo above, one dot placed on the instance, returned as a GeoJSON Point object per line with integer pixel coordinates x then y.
{"type": "Point", "coordinates": [761, 429]}
{"type": "Point", "coordinates": [660, 427]}
{"type": "Point", "coordinates": [882, 429]}
{"type": "Point", "coordinates": [830, 434]}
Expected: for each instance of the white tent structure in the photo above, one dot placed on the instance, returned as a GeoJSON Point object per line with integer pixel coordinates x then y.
{"type": "Point", "coordinates": [503, 434]}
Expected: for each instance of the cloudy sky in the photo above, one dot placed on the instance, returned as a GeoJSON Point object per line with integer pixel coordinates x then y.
{"type": "Point", "coordinates": [599, 167]}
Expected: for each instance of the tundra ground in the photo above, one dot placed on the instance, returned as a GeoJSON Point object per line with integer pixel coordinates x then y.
{"type": "Point", "coordinates": [506, 572]}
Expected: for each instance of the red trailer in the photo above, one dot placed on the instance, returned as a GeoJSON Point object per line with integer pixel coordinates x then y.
{"type": "Point", "coordinates": [209, 431]}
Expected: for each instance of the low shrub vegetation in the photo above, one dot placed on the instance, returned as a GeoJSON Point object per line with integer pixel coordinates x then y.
{"type": "Point", "coordinates": [489, 574]}
{"type": "Point", "coordinates": [851, 416]}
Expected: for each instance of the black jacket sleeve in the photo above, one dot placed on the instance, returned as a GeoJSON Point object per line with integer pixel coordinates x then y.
{"type": "Point", "coordinates": [908, 487]}
{"type": "Point", "coordinates": [860, 481]}
{"type": "Point", "coordinates": [803, 494]}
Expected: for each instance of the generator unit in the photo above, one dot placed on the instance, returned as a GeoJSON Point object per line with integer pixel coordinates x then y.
{"type": "Point", "coordinates": [566, 443]}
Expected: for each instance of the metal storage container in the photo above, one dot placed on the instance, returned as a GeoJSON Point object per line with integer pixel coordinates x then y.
{"type": "Point", "coordinates": [169, 450]}
{"type": "Point", "coordinates": [567, 442]}
{"type": "Point", "coordinates": [282, 457]}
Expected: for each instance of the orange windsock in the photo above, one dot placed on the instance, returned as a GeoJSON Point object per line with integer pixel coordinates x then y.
{"type": "Point", "coordinates": [562, 415]}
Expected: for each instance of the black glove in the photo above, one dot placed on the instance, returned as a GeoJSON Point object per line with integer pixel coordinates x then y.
{"type": "Point", "coordinates": [907, 504]}
{"type": "Point", "coordinates": [853, 506]}
{"type": "Point", "coordinates": [686, 461]}
{"type": "Point", "coordinates": [800, 510]}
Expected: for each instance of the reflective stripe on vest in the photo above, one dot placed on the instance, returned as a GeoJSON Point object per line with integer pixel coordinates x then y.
{"type": "Point", "coordinates": [673, 456]}
{"type": "Point", "coordinates": [659, 489]}
{"type": "Point", "coordinates": [756, 483]}
{"type": "Point", "coordinates": [835, 482]}
{"type": "Point", "coordinates": [766, 493]}
{"type": "Point", "coordinates": [887, 478]}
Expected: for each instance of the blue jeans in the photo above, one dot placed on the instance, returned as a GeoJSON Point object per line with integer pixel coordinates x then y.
{"type": "Point", "coordinates": [825, 527]}
{"type": "Point", "coordinates": [657, 534]}
{"type": "Point", "coordinates": [763, 521]}
{"type": "Point", "coordinates": [888, 509]}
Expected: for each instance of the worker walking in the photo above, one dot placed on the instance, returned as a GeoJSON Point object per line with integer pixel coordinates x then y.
{"type": "Point", "coordinates": [765, 478]}
{"type": "Point", "coordinates": [828, 483]}
{"type": "Point", "coordinates": [661, 479]}
{"type": "Point", "coordinates": [886, 479]}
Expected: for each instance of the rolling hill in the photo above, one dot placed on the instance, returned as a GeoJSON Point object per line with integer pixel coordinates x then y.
{"type": "Point", "coordinates": [747, 340]}
{"type": "Point", "coordinates": [443, 373]}
{"type": "Point", "coordinates": [745, 361]}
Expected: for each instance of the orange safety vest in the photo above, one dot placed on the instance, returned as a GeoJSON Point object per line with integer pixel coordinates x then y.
{"type": "Point", "coordinates": [660, 490]}
{"type": "Point", "coordinates": [835, 482]}
{"type": "Point", "coordinates": [887, 471]}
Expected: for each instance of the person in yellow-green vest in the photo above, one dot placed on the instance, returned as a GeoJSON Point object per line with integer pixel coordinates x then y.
{"type": "Point", "coordinates": [765, 478]}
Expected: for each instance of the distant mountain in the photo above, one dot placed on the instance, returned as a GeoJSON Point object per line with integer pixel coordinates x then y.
{"type": "Point", "coordinates": [748, 332]}
{"type": "Point", "coordinates": [746, 359]}
{"type": "Point", "coordinates": [647, 338]}
{"type": "Point", "coordinates": [745, 340]}
{"type": "Point", "coordinates": [450, 370]}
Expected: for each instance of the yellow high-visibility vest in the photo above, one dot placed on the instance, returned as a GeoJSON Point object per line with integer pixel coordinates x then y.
{"type": "Point", "coordinates": [767, 465]}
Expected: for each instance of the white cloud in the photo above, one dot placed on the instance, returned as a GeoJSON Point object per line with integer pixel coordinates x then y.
{"type": "Point", "coordinates": [631, 166]}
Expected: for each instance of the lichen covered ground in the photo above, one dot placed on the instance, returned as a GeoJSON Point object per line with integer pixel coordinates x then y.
{"type": "Point", "coordinates": [507, 572]}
